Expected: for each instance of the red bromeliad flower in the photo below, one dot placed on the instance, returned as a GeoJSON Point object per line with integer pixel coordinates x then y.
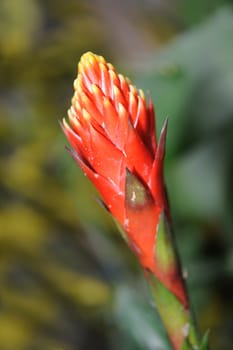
{"type": "Point", "coordinates": [112, 132]}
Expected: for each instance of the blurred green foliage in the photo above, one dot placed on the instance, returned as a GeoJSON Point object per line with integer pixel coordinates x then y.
{"type": "Point", "coordinates": [67, 281]}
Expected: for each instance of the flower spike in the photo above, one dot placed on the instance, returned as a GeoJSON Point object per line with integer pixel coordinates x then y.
{"type": "Point", "coordinates": [111, 130]}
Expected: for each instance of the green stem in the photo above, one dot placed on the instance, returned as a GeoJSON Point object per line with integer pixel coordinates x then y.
{"type": "Point", "coordinates": [177, 319]}
{"type": "Point", "coordinates": [175, 314]}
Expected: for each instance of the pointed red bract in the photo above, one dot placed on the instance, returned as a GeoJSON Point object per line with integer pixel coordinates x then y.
{"type": "Point", "coordinates": [112, 133]}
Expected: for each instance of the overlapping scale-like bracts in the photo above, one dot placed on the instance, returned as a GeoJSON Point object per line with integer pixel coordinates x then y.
{"type": "Point", "coordinates": [112, 132]}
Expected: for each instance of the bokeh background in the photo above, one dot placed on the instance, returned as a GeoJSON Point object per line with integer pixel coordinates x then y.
{"type": "Point", "coordinates": [67, 280]}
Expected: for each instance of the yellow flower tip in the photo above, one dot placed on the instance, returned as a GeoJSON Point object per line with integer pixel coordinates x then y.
{"type": "Point", "coordinates": [80, 67]}
{"type": "Point", "coordinates": [141, 93]}
{"type": "Point", "coordinates": [113, 75]}
{"type": "Point", "coordinates": [116, 91]}
{"type": "Point", "coordinates": [86, 115]}
{"type": "Point", "coordinates": [76, 83]}
{"type": "Point", "coordinates": [77, 106]}
{"type": "Point", "coordinates": [95, 89]}
{"type": "Point", "coordinates": [84, 99]}
{"type": "Point", "coordinates": [75, 97]}
{"type": "Point", "coordinates": [65, 124]}
{"type": "Point", "coordinates": [110, 66]}
{"type": "Point", "coordinates": [79, 87]}
{"type": "Point", "coordinates": [75, 122]}
{"type": "Point", "coordinates": [89, 59]}
{"type": "Point", "coordinates": [124, 79]}
{"type": "Point", "coordinates": [106, 102]}
{"type": "Point", "coordinates": [121, 109]}
{"type": "Point", "coordinates": [103, 67]}
{"type": "Point", "coordinates": [71, 117]}
{"type": "Point", "coordinates": [100, 59]}
{"type": "Point", "coordinates": [133, 89]}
